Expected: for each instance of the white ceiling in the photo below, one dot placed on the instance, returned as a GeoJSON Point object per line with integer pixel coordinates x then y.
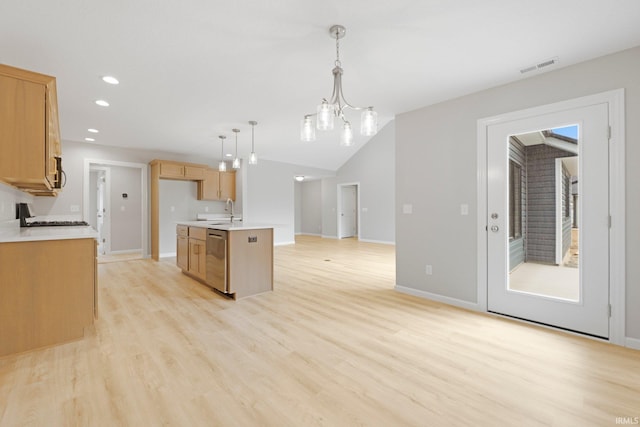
{"type": "Point", "coordinates": [193, 69]}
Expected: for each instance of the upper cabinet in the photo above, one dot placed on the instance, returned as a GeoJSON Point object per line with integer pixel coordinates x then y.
{"type": "Point", "coordinates": [217, 185]}
{"type": "Point", "coordinates": [178, 170]}
{"type": "Point", "coordinates": [29, 131]}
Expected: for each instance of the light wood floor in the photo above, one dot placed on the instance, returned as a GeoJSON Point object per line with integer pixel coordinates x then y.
{"type": "Point", "coordinates": [333, 345]}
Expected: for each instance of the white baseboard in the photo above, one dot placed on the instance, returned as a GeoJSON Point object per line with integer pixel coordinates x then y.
{"type": "Point", "coordinates": [324, 236]}
{"type": "Point", "coordinates": [382, 242]}
{"type": "Point", "coordinates": [310, 234]}
{"type": "Point", "coordinates": [126, 251]}
{"type": "Point", "coordinates": [167, 255]}
{"type": "Point", "coordinates": [284, 243]}
{"type": "Point", "coordinates": [440, 298]}
{"type": "Point", "coordinates": [633, 343]}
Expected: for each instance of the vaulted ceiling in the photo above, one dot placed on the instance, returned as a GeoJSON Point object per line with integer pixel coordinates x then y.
{"type": "Point", "coordinates": [192, 70]}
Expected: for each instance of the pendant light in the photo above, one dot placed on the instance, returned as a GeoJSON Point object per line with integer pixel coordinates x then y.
{"type": "Point", "coordinates": [253, 159]}
{"type": "Point", "coordinates": [236, 160]}
{"type": "Point", "coordinates": [334, 107]}
{"type": "Point", "coordinates": [222, 166]}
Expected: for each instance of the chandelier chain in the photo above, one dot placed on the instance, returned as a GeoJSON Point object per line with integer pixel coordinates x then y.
{"type": "Point", "coordinates": [338, 63]}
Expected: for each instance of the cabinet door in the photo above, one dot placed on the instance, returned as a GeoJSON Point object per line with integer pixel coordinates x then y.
{"type": "Point", "coordinates": [171, 170]}
{"type": "Point", "coordinates": [193, 172]}
{"type": "Point", "coordinates": [22, 131]}
{"type": "Point", "coordinates": [208, 188]}
{"type": "Point", "coordinates": [197, 258]}
{"type": "Point", "coordinates": [182, 252]}
{"type": "Point", "coordinates": [227, 185]}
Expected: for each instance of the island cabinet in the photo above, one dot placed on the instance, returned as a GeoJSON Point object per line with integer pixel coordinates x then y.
{"type": "Point", "coordinates": [182, 246]}
{"type": "Point", "coordinates": [217, 185]}
{"type": "Point", "coordinates": [198, 252]}
{"type": "Point", "coordinates": [29, 131]}
{"type": "Point", "coordinates": [48, 292]}
{"type": "Point", "coordinates": [248, 263]}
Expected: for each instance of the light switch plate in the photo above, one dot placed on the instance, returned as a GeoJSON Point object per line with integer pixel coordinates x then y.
{"type": "Point", "coordinates": [464, 209]}
{"type": "Point", "coordinates": [407, 208]}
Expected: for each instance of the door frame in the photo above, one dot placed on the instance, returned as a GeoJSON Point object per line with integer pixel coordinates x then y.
{"type": "Point", "coordinates": [106, 223]}
{"type": "Point", "coordinates": [144, 244]}
{"type": "Point", "coordinates": [339, 197]}
{"type": "Point", "coordinates": [615, 100]}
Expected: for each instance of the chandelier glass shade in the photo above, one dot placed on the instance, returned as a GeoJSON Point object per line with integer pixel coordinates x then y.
{"type": "Point", "coordinates": [333, 108]}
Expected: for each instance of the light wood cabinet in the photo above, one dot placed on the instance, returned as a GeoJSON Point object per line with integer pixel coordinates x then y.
{"type": "Point", "coordinates": [48, 292]}
{"type": "Point", "coordinates": [217, 185]}
{"type": "Point", "coordinates": [250, 262]}
{"type": "Point", "coordinates": [191, 250]}
{"type": "Point", "coordinates": [182, 246]}
{"type": "Point", "coordinates": [29, 131]}
{"type": "Point", "coordinates": [177, 170]}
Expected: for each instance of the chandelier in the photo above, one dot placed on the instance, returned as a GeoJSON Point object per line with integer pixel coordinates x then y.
{"type": "Point", "coordinates": [335, 107]}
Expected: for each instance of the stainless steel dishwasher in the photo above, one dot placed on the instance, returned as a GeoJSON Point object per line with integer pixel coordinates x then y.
{"type": "Point", "coordinates": [217, 260]}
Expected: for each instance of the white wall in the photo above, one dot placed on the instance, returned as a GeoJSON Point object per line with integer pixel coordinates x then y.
{"type": "Point", "coordinates": [373, 168]}
{"type": "Point", "coordinates": [270, 196]}
{"type": "Point", "coordinates": [312, 207]}
{"type": "Point", "coordinates": [9, 196]}
{"type": "Point", "coordinates": [297, 200]}
{"type": "Point", "coordinates": [436, 169]}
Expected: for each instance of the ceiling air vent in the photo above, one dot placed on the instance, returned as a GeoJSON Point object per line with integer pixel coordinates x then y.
{"type": "Point", "coordinates": [539, 66]}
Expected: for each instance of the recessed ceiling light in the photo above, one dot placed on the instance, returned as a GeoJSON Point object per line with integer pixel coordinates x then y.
{"type": "Point", "coordinates": [111, 80]}
{"type": "Point", "coordinates": [102, 103]}
{"type": "Point", "coordinates": [92, 130]}
{"type": "Point", "coordinates": [299, 178]}
{"type": "Point", "coordinates": [89, 139]}
{"type": "Point", "coordinates": [228, 155]}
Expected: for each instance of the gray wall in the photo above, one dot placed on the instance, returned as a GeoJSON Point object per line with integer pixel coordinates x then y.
{"type": "Point", "coordinates": [373, 168]}
{"type": "Point", "coordinates": [126, 213]}
{"type": "Point", "coordinates": [436, 149]}
{"type": "Point", "coordinates": [312, 208]}
{"type": "Point", "coordinates": [297, 199]}
{"type": "Point", "coordinates": [541, 202]}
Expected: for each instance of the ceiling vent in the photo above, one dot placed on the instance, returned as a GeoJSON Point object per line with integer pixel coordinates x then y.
{"type": "Point", "coordinates": [540, 65]}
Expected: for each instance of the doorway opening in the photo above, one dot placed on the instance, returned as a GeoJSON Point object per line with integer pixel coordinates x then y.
{"type": "Point", "coordinates": [543, 199]}
{"type": "Point", "coordinates": [349, 210]}
{"type": "Point", "coordinates": [115, 203]}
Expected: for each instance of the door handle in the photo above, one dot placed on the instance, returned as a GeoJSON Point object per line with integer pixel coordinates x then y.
{"type": "Point", "coordinates": [495, 228]}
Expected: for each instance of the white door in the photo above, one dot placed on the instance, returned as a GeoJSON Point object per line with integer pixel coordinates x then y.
{"type": "Point", "coordinates": [589, 311]}
{"type": "Point", "coordinates": [348, 213]}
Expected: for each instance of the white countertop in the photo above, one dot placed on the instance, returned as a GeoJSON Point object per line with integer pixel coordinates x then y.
{"type": "Point", "coordinates": [225, 225]}
{"type": "Point", "coordinates": [11, 232]}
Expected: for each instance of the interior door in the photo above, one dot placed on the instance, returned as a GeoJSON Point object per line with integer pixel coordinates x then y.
{"type": "Point", "coordinates": [348, 214]}
{"type": "Point", "coordinates": [589, 312]}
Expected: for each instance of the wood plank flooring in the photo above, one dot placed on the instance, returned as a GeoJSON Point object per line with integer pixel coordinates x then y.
{"type": "Point", "coordinates": [333, 345]}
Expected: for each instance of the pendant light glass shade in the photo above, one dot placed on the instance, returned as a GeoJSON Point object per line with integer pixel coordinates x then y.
{"type": "Point", "coordinates": [222, 166]}
{"type": "Point", "coordinates": [236, 160]}
{"type": "Point", "coordinates": [326, 113]}
{"type": "Point", "coordinates": [253, 158]}
{"type": "Point", "coordinates": [346, 137]}
{"type": "Point", "coordinates": [307, 130]}
{"type": "Point", "coordinates": [369, 122]}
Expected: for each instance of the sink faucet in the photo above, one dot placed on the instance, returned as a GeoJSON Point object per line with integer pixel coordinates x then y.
{"type": "Point", "coordinates": [226, 208]}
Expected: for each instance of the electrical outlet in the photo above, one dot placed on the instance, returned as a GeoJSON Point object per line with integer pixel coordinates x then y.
{"type": "Point", "coordinates": [428, 270]}
{"type": "Point", "coordinates": [206, 208]}
{"type": "Point", "coordinates": [74, 208]}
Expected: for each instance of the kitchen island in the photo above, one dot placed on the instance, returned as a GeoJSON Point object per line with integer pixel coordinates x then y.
{"type": "Point", "coordinates": [48, 286]}
{"type": "Point", "coordinates": [234, 258]}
